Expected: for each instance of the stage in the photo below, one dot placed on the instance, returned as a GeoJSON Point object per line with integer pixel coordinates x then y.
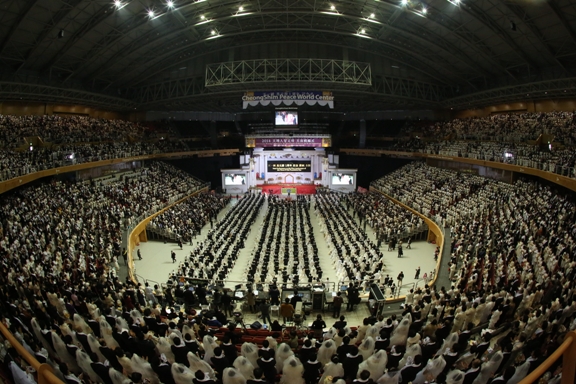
{"type": "Point", "coordinates": [282, 189]}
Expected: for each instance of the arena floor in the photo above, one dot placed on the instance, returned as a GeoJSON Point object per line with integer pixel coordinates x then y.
{"type": "Point", "coordinates": [156, 264]}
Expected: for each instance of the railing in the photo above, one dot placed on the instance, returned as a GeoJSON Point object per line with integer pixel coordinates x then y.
{"type": "Point", "coordinates": [27, 178]}
{"type": "Point", "coordinates": [568, 353]}
{"type": "Point", "coordinates": [565, 181]}
{"type": "Point", "coordinates": [44, 371]}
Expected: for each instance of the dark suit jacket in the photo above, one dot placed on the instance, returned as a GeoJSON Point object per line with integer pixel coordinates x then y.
{"type": "Point", "coordinates": [408, 373]}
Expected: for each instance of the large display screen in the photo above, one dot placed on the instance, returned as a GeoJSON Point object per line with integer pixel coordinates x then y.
{"type": "Point", "coordinates": [342, 179]}
{"type": "Point", "coordinates": [234, 179]}
{"type": "Point", "coordinates": [286, 118]}
{"type": "Point", "coordinates": [290, 166]}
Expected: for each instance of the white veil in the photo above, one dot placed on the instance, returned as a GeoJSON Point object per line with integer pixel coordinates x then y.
{"type": "Point", "coordinates": [81, 325]}
{"type": "Point", "coordinates": [366, 348]}
{"type": "Point", "coordinates": [95, 347]}
{"type": "Point", "coordinates": [284, 351]}
{"type": "Point", "coordinates": [410, 353]}
{"type": "Point", "coordinates": [521, 372]}
{"type": "Point", "coordinates": [39, 336]}
{"type": "Point", "coordinates": [489, 368]}
{"type": "Point", "coordinates": [197, 364]}
{"type": "Point", "coordinates": [144, 367]}
{"type": "Point", "coordinates": [246, 368]}
{"type": "Point", "coordinates": [390, 377]}
{"type": "Point", "coordinates": [433, 368]}
{"type": "Point", "coordinates": [232, 376]}
{"type": "Point", "coordinates": [62, 352]}
{"type": "Point", "coordinates": [250, 352]}
{"type": "Point", "coordinates": [181, 374]}
{"type": "Point", "coordinates": [325, 352]}
{"type": "Point", "coordinates": [84, 362]}
{"type": "Point", "coordinates": [292, 371]}
{"type": "Point", "coordinates": [106, 333]}
{"type": "Point", "coordinates": [455, 376]}
{"type": "Point", "coordinates": [449, 341]}
{"type": "Point", "coordinates": [400, 334]}
{"type": "Point", "coordinates": [375, 364]}
{"type": "Point", "coordinates": [209, 345]}
{"type": "Point", "coordinates": [331, 369]}
{"type": "Point", "coordinates": [118, 377]}
{"type": "Point", "coordinates": [165, 347]}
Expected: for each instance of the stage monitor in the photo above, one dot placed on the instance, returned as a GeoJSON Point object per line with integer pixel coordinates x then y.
{"type": "Point", "coordinates": [286, 118]}
{"type": "Point", "coordinates": [290, 166]}
{"type": "Point", "coordinates": [234, 179]}
{"type": "Point", "coordinates": [342, 179]}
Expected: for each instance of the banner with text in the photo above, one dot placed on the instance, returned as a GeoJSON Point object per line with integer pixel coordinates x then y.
{"type": "Point", "coordinates": [287, 98]}
{"type": "Point", "coordinates": [289, 166]}
{"type": "Point", "coordinates": [288, 142]}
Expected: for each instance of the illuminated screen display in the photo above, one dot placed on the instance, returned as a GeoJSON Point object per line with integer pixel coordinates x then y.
{"type": "Point", "coordinates": [342, 179]}
{"type": "Point", "coordinates": [234, 179]}
{"type": "Point", "coordinates": [290, 166]}
{"type": "Point", "coordinates": [286, 118]}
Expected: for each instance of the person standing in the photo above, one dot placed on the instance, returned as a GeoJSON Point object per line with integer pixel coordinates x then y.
{"type": "Point", "coordinates": [318, 327]}
{"type": "Point", "coordinates": [125, 256]}
{"type": "Point", "coordinates": [265, 311]}
{"type": "Point", "coordinates": [286, 311]}
{"type": "Point", "coordinates": [139, 254]}
{"type": "Point", "coordinates": [173, 254]}
{"type": "Point", "coordinates": [400, 251]}
{"type": "Point", "coordinates": [400, 278]}
{"type": "Point", "coordinates": [417, 276]}
{"type": "Point", "coordinates": [337, 304]}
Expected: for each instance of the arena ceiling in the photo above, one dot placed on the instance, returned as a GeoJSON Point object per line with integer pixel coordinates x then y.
{"type": "Point", "coordinates": [153, 55]}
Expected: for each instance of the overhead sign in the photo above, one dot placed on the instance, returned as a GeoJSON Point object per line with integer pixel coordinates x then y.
{"type": "Point", "coordinates": [288, 142]}
{"type": "Point", "coordinates": [289, 166]}
{"type": "Point", "coordinates": [287, 98]}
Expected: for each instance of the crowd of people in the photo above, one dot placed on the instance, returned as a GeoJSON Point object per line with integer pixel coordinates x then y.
{"type": "Point", "coordinates": [356, 258]}
{"type": "Point", "coordinates": [512, 257]}
{"type": "Point", "coordinates": [185, 220]}
{"type": "Point", "coordinates": [215, 257]}
{"type": "Point", "coordinates": [286, 250]}
{"type": "Point", "coordinates": [544, 141]}
{"type": "Point", "coordinates": [68, 140]}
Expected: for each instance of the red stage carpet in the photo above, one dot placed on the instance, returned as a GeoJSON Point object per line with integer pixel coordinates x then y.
{"type": "Point", "coordinates": [301, 189]}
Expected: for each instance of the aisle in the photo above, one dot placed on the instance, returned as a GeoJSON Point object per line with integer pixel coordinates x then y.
{"type": "Point", "coordinates": [328, 268]}
{"type": "Point", "coordinates": [238, 272]}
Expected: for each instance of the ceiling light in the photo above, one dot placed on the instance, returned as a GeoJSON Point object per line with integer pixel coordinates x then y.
{"type": "Point", "coordinates": [202, 17]}
{"type": "Point", "coordinates": [213, 32]}
{"type": "Point", "coordinates": [362, 30]}
{"type": "Point", "coordinates": [424, 10]}
{"type": "Point", "coordinates": [404, 2]}
{"type": "Point", "coordinates": [372, 15]}
{"type": "Point", "coordinates": [118, 3]}
{"type": "Point", "coordinates": [151, 13]}
{"type": "Point", "coordinates": [240, 9]}
{"type": "Point", "coordinates": [170, 4]}
{"type": "Point", "coordinates": [332, 7]}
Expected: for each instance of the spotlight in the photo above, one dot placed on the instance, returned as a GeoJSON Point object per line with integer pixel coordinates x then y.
{"type": "Point", "coordinates": [118, 3]}
{"type": "Point", "coordinates": [202, 17]}
{"type": "Point", "coordinates": [424, 10]}
{"type": "Point", "coordinates": [332, 7]}
{"type": "Point", "coordinates": [170, 4]}
{"type": "Point", "coordinates": [213, 32]}
{"type": "Point", "coordinates": [372, 15]}
{"type": "Point", "coordinates": [362, 30]}
{"type": "Point", "coordinates": [151, 13]}
{"type": "Point", "coordinates": [240, 9]}
{"type": "Point", "coordinates": [404, 2]}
